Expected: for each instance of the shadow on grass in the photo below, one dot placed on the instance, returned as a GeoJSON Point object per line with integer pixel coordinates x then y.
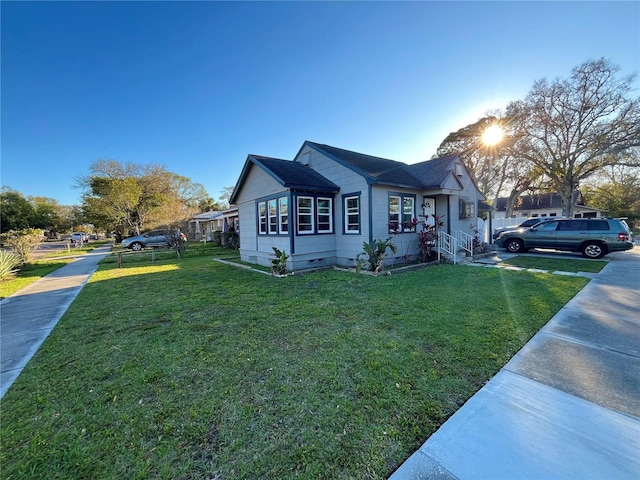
{"type": "Point", "coordinates": [197, 369]}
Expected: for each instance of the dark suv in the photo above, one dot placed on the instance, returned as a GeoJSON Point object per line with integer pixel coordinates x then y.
{"type": "Point", "coordinates": [594, 237]}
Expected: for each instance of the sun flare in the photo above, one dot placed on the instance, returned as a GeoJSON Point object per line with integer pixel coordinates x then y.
{"type": "Point", "coordinates": [492, 135]}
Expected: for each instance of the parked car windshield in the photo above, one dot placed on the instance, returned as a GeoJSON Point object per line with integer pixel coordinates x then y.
{"type": "Point", "coordinates": [545, 226]}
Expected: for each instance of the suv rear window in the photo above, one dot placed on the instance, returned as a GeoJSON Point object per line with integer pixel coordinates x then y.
{"type": "Point", "coordinates": [598, 225]}
{"type": "Point", "coordinates": [577, 225]}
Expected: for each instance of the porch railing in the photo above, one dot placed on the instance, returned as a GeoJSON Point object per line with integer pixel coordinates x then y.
{"type": "Point", "coordinates": [465, 241]}
{"type": "Point", "coordinates": [447, 244]}
{"type": "Point", "coordinates": [450, 244]}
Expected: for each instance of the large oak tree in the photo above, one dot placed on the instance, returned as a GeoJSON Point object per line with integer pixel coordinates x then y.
{"type": "Point", "coordinates": [573, 128]}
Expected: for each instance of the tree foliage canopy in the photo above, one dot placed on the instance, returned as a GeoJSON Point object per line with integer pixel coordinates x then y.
{"type": "Point", "coordinates": [573, 128]}
{"type": "Point", "coordinates": [43, 213]}
{"type": "Point", "coordinates": [564, 132]}
{"type": "Point", "coordinates": [129, 198]}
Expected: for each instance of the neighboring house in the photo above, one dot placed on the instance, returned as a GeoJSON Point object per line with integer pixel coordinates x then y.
{"type": "Point", "coordinates": [204, 224]}
{"type": "Point", "coordinates": [321, 206]}
{"type": "Point", "coordinates": [545, 205]}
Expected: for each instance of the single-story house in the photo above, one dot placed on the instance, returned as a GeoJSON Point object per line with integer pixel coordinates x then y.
{"type": "Point", "coordinates": [545, 205]}
{"type": "Point", "coordinates": [205, 224]}
{"type": "Point", "coordinates": [321, 206]}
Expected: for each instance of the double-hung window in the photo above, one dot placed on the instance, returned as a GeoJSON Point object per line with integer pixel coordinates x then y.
{"type": "Point", "coordinates": [305, 215]}
{"type": "Point", "coordinates": [262, 217]}
{"type": "Point", "coordinates": [402, 213]}
{"type": "Point", "coordinates": [325, 215]}
{"type": "Point", "coordinates": [283, 221]}
{"type": "Point", "coordinates": [273, 216]}
{"type": "Point", "coordinates": [352, 214]}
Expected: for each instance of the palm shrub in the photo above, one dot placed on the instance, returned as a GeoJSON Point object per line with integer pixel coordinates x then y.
{"type": "Point", "coordinates": [373, 255]}
{"type": "Point", "coordinates": [9, 263]}
{"type": "Point", "coordinates": [279, 264]}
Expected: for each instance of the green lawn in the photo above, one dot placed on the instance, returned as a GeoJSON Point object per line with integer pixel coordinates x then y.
{"type": "Point", "coordinates": [30, 273]}
{"type": "Point", "coordinates": [43, 266]}
{"type": "Point", "coordinates": [557, 264]}
{"type": "Point", "coordinates": [194, 369]}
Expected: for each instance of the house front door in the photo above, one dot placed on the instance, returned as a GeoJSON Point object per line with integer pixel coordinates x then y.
{"type": "Point", "coordinates": [429, 209]}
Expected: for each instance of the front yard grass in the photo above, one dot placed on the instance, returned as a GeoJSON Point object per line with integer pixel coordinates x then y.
{"type": "Point", "coordinates": [29, 273]}
{"type": "Point", "coordinates": [194, 369]}
{"type": "Point", "coordinates": [557, 264]}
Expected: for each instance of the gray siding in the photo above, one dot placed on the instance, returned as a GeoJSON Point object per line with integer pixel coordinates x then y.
{"type": "Point", "coordinates": [345, 246]}
{"type": "Point", "coordinates": [253, 247]}
{"type": "Point", "coordinates": [339, 248]}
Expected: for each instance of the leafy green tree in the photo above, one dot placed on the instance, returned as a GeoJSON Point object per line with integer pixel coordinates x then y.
{"type": "Point", "coordinates": [571, 129]}
{"type": "Point", "coordinates": [129, 198]}
{"type": "Point", "coordinates": [210, 205]}
{"type": "Point", "coordinates": [616, 190]}
{"type": "Point", "coordinates": [47, 214]}
{"type": "Point", "coordinates": [15, 210]}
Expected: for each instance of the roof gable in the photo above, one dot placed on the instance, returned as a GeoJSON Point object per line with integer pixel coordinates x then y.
{"type": "Point", "coordinates": [289, 174]}
{"type": "Point", "coordinates": [435, 172]}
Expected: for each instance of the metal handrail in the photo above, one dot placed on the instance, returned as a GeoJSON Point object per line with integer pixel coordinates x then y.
{"type": "Point", "coordinates": [448, 244]}
{"type": "Point", "coordinates": [465, 240]}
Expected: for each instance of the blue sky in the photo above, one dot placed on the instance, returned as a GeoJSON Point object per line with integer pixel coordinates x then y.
{"type": "Point", "coordinates": [197, 86]}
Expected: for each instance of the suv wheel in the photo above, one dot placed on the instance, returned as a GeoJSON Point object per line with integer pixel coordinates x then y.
{"type": "Point", "coordinates": [594, 250]}
{"type": "Point", "coordinates": [515, 246]}
{"type": "Point", "coordinates": [136, 246]}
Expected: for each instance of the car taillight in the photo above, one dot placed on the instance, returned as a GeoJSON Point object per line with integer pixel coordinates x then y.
{"type": "Point", "coordinates": [623, 237]}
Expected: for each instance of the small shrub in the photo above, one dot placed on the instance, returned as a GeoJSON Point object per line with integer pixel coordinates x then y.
{"type": "Point", "coordinates": [478, 245]}
{"type": "Point", "coordinates": [9, 263]}
{"type": "Point", "coordinates": [216, 238]}
{"type": "Point", "coordinates": [231, 239]}
{"type": "Point", "coordinates": [279, 264]}
{"type": "Point", "coordinates": [428, 237]}
{"type": "Point", "coordinates": [373, 255]}
{"type": "Point", "coordinates": [23, 242]}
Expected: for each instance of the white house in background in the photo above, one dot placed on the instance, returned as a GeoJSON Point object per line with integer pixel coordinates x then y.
{"type": "Point", "coordinates": [545, 205]}
{"type": "Point", "coordinates": [204, 224]}
{"type": "Point", "coordinates": [321, 206]}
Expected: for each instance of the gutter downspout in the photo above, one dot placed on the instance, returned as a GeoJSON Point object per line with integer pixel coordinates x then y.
{"type": "Point", "coordinates": [449, 214]}
{"type": "Point", "coordinates": [370, 212]}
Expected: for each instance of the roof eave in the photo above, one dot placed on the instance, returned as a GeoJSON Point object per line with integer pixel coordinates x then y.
{"type": "Point", "coordinates": [251, 160]}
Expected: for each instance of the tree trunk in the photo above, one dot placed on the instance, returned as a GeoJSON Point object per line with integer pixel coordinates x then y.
{"type": "Point", "coordinates": [567, 197]}
{"type": "Point", "coordinates": [513, 196]}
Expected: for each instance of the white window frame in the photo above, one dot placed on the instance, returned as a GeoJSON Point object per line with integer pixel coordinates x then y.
{"type": "Point", "coordinates": [400, 212]}
{"type": "Point", "coordinates": [412, 214]}
{"type": "Point", "coordinates": [351, 212]}
{"type": "Point", "coordinates": [328, 214]}
{"type": "Point", "coordinates": [272, 216]}
{"type": "Point", "coordinates": [310, 213]}
{"type": "Point", "coordinates": [283, 218]}
{"type": "Point", "coordinates": [262, 218]}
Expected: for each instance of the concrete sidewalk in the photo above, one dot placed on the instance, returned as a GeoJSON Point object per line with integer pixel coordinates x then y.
{"type": "Point", "coordinates": [28, 316]}
{"type": "Point", "coordinates": [567, 406]}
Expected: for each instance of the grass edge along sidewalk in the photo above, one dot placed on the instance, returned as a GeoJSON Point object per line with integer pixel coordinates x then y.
{"type": "Point", "coordinates": [194, 369]}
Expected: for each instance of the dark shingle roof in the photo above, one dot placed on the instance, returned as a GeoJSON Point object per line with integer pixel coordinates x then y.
{"type": "Point", "coordinates": [536, 201]}
{"type": "Point", "coordinates": [432, 173]}
{"type": "Point", "coordinates": [297, 176]}
{"type": "Point", "coordinates": [428, 174]}
{"type": "Point", "coordinates": [294, 175]}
